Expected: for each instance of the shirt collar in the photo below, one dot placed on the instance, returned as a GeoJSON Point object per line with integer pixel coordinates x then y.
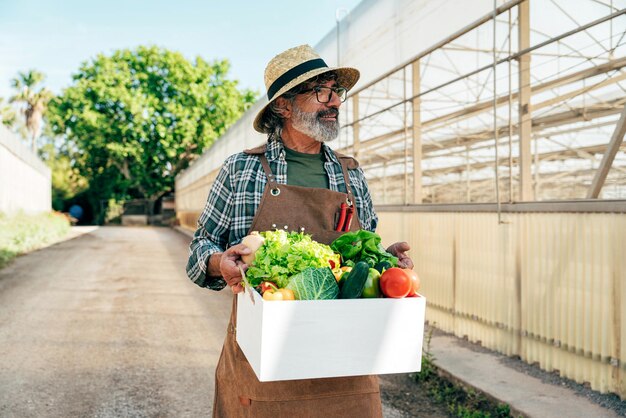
{"type": "Point", "coordinates": [276, 148]}
{"type": "Point", "coordinates": [330, 154]}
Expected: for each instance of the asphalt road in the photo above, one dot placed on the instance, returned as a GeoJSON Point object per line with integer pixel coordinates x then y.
{"type": "Point", "coordinates": [107, 324]}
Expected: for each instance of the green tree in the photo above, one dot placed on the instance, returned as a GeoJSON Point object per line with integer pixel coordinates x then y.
{"type": "Point", "coordinates": [8, 116]}
{"type": "Point", "coordinates": [66, 180]}
{"type": "Point", "coordinates": [139, 117]}
{"type": "Point", "coordinates": [34, 101]}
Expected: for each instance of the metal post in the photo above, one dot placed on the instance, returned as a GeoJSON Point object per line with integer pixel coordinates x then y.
{"type": "Point", "coordinates": [417, 134]}
{"type": "Point", "coordinates": [510, 66]}
{"type": "Point", "coordinates": [385, 183]}
{"type": "Point", "coordinates": [536, 156]}
{"type": "Point", "coordinates": [356, 143]}
{"type": "Point", "coordinates": [525, 120]}
{"type": "Point", "coordinates": [406, 139]}
{"type": "Point", "coordinates": [468, 186]}
{"type": "Point", "coordinates": [607, 160]}
{"type": "Point", "coordinates": [495, 112]}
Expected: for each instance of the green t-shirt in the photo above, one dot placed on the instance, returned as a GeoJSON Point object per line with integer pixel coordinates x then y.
{"type": "Point", "coordinates": [306, 169]}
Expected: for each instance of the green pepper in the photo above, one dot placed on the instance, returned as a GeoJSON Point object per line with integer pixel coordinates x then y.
{"type": "Point", "coordinates": [372, 287]}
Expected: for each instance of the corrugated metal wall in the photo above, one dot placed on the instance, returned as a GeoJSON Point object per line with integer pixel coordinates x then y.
{"type": "Point", "coordinates": [25, 183]}
{"type": "Point", "coordinates": [545, 286]}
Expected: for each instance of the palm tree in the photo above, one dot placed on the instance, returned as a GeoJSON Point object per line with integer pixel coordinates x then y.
{"type": "Point", "coordinates": [35, 102]}
{"type": "Point", "coordinates": [7, 114]}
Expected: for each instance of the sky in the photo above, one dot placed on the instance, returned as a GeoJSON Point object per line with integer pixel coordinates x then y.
{"type": "Point", "coordinates": [55, 37]}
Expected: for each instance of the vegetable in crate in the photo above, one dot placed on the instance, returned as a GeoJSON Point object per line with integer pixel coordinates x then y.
{"type": "Point", "coordinates": [355, 282]}
{"type": "Point", "coordinates": [314, 284]}
{"type": "Point", "coordinates": [415, 282]}
{"type": "Point", "coordinates": [253, 241]}
{"type": "Point", "coordinates": [279, 294]}
{"type": "Point", "coordinates": [362, 246]}
{"type": "Point", "coordinates": [341, 274]}
{"type": "Point", "coordinates": [271, 292]}
{"type": "Point", "coordinates": [284, 254]}
{"type": "Point", "coordinates": [372, 285]}
{"type": "Point", "coordinates": [382, 266]}
{"type": "Point", "coordinates": [397, 282]}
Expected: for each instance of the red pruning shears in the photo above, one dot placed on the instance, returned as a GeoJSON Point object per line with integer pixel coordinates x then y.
{"type": "Point", "coordinates": [345, 217]}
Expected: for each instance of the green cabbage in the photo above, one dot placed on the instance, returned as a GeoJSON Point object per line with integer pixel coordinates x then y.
{"type": "Point", "coordinates": [314, 284]}
{"type": "Point", "coordinates": [285, 254]}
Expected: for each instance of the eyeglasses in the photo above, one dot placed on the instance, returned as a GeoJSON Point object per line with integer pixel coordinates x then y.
{"type": "Point", "coordinates": [324, 94]}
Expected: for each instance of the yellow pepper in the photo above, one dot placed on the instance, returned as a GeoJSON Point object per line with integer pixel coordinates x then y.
{"type": "Point", "coordinates": [279, 294]}
{"type": "Point", "coordinates": [341, 271]}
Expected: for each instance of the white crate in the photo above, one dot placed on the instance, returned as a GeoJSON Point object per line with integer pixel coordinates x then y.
{"type": "Point", "coordinates": [286, 340]}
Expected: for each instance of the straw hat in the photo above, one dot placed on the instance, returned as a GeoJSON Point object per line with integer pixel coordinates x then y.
{"type": "Point", "coordinates": [294, 66]}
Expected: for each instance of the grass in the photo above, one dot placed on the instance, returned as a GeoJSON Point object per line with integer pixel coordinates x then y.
{"type": "Point", "coordinates": [21, 233]}
{"type": "Point", "coordinates": [459, 401]}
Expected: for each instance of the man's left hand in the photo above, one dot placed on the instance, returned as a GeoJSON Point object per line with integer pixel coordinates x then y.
{"type": "Point", "coordinates": [399, 250]}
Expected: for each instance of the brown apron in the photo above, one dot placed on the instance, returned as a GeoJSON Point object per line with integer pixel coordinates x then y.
{"type": "Point", "coordinates": [238, 392]}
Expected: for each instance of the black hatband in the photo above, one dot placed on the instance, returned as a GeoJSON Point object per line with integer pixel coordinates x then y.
{"type": "Point", "coordinates": [296, 71]}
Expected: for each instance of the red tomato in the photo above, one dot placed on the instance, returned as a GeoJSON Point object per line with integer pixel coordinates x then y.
{"type": "Point", "coordinates": [395, 283]}
{"type": "Point", "coordinates": [415, 282]}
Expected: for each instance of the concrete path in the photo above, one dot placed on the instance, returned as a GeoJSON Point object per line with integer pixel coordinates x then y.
{"type": "Point", "coordinates": [525, 394]}
{"type": "Point", "coordinates": [108, 325]}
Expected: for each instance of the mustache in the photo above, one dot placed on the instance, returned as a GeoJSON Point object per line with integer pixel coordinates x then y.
{"type": "Point", "coordinates": [327, 113]}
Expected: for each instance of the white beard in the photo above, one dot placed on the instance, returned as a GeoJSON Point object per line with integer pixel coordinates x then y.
{"type": "Point", "coordinates": [309, 123]}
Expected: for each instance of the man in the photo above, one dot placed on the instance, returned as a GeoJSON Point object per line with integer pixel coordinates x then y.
{"type": "Point", "coordinates": [296, 182]}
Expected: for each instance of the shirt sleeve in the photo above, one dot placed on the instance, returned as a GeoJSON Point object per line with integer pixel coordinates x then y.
{"type": "Point", "coordinates": [212, 234]}
{"type": "Point", "coordinates": [365, 206]}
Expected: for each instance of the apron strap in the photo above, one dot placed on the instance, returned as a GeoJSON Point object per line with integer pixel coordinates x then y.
{"type": "Point", "coordinates": [271, 178]}
{"type": "Point", "coordinates": [346, 179]}
{"type": "Point", "coordinates": [232, 323]}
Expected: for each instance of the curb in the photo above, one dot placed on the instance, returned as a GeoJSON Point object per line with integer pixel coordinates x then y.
{"type": "Point", "coordinates": [467, 386]}
{"type": "Point", "coordinates": [184, 231]}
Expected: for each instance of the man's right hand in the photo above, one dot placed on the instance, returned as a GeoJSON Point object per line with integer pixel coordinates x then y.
{"type": "Point", "coordinates": [229, 266]}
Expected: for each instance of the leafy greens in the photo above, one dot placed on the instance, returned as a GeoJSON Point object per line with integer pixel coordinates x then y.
{"type": "Point", "coordinates": [362, 246]}
{"type": "Point", "coordinates": [314, 284]}
{"type": "Point", "coordinates": [284, 254]}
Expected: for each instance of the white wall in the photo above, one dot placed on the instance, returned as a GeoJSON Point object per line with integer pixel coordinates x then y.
{"type": "Point", "coordinates": [379, 35]}
{"type": "Point", "coordinates": [25, 183]}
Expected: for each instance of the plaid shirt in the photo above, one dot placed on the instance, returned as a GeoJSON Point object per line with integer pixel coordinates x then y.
{"type": "Point", "coordinates": [236, 194]}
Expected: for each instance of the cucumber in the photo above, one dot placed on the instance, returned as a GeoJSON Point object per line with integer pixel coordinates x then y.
{"type": "Point", "coordinates": [355, 282]}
